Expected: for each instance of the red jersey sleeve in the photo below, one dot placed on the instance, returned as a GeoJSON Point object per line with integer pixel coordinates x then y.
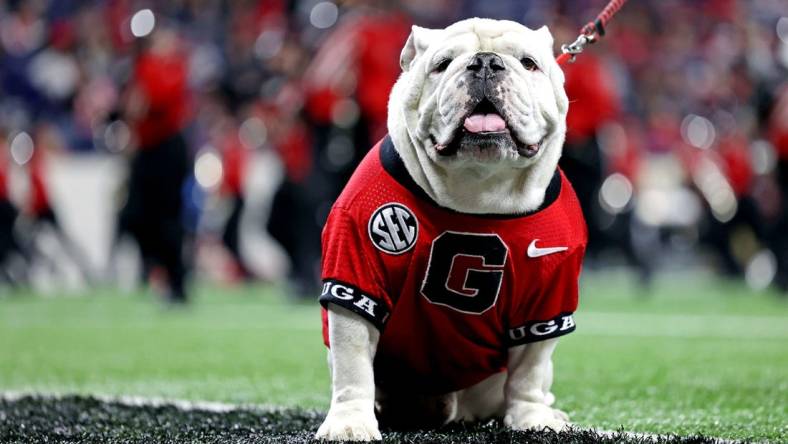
{"type": "Point", "coordinates": [548, 312]}
{"type": "Point", "coordinates": [351, 278]}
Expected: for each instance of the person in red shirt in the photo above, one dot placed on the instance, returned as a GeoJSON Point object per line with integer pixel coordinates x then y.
{"type": "Point", "coordinates": [360, 58]}
{"type": "Point", "coordinates": [346, 90]}
{"type": "Point", "coordinates": [8, 214]}
{"type": "Point", "coordinates": [731, 158]}
{"type": "Point", "coordinates": [157, 106]}
{"type": "Point", "coordinates": [4, 193]}
{"type": "Point", "coordinates": [777, 131]}
{"type": "Point", "coordinates": [432, 279]}
{"type": "Point", "coordinates": [235, 157]}
{"type": "Point", "coordinates": [594, 103]}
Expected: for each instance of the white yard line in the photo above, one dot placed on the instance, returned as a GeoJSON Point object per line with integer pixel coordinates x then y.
{"type": "Point", "coordinates": [221, 407]}
{"type": "Point", "coordinates": [140, 401]}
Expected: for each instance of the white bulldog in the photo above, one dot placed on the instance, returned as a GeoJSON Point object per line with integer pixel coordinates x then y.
{"type": "Point", "coordinates": [478, 118]}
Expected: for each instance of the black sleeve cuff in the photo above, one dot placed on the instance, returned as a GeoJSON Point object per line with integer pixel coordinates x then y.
{"type": "Point", "coordinates": [354, 299]}
{"type": "Point", "coordinates": [536, 331]}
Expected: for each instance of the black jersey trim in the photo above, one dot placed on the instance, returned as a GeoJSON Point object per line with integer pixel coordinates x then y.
{"type": "Point", "coordinates": [348, 296]}
{"type": "Point", "coordinates": [393, 164]}
{"type": "Point", "coordinates": [536, 331]}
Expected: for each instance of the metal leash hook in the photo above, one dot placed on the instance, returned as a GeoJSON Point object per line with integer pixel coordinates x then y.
{"type": "Point", "coordinates": [590, 33]}
{"type": "Point", "coordinates": [576, 47]}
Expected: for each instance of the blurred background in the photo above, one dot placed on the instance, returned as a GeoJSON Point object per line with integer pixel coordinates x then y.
{"type": "Point", "coordinates": [159, 144]}
{"type": "Point", "coordinates": [154, 153]}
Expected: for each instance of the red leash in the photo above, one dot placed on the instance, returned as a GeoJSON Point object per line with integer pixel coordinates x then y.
{"type": "Point", "coordinates": [589, 33]}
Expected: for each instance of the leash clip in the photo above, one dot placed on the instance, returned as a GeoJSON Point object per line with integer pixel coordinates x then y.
{"type": "Point", "coordinates": [577, 47]}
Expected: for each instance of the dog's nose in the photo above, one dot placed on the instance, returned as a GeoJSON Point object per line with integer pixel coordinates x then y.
{"type": "Point", "coordinates": [486, 64]}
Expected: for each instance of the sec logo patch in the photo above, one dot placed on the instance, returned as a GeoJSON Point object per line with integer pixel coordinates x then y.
{"type": "Point", "coordinates": [393, 228]}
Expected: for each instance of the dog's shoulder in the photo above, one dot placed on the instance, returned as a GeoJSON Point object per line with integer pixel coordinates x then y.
{"type": "Point", "coordinates": [562, 215]}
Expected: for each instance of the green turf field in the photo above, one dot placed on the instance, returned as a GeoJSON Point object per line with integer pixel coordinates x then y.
{"type": "Point", "coordinates": [696, 356]}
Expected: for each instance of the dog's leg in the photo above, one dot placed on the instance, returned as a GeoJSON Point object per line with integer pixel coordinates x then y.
{"type": "Point", "coordinates": [482, 401]}
{"type": "Point", "coordinates": [527, 390]}
{"type": "Point", "coordinates": [353, 343]}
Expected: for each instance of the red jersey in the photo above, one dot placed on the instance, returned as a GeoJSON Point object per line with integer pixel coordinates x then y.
{"type": "Point", "coordinates": [450, 292]}
{"type": "Point", "coordinates": [38, 202]}
{"type": "Point", "coordinates": [3, 177]}
{"type": "Point", "coordinates": [163, 80]}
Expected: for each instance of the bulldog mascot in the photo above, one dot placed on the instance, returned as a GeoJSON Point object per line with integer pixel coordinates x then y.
{"type": "Point", "coordinates": [451, 259]}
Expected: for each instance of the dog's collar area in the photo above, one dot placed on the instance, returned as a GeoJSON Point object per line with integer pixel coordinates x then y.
{"type": "Point", "coordinates": [395, 167]}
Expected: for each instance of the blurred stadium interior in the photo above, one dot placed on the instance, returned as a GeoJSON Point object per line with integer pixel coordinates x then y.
{"type": "Point", "coordinates": [677, 132]}
{"type": "Point", "coordinates": [186, 143]}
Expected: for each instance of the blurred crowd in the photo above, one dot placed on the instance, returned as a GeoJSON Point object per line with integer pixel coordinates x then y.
{"type": "Point", "coordinates": [677, 142]}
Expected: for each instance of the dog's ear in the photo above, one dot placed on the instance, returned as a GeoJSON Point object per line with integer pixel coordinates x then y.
{"type": "Point", "coordinates": [545, 33]}
{"type": "Point", "coordinates": [418, 42]}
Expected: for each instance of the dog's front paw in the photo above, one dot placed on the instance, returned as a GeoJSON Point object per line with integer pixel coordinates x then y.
{"type": "Point", "coordinates": [530, 415]}
{"type": "Point", "coordinates": [349, 423]}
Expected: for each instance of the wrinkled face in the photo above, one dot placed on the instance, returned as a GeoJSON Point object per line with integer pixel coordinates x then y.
{"type": "Point", "coordinates": [487, 92]}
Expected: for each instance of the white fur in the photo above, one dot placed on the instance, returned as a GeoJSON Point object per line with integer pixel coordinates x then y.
{"type": "Point", "coordinates": [424, 103]}
{"type": "Point", "coordinates": [351, 416]}
{"type": "Point", "coordinates": [527, 391]}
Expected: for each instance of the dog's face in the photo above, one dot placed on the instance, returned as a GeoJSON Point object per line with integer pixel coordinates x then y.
{"type": "Point", "coordinates": [483, 93]}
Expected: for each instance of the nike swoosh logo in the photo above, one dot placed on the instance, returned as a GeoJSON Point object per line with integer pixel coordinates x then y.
{"type": "Point", "coordinates": [534, 251]}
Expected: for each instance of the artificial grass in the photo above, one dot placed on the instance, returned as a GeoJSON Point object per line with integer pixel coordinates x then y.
{"type": "Point", "coordinates": [694, 356]}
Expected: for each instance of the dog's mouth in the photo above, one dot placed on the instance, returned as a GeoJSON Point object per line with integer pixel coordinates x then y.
{"type": "Point", "coordinates": [485, 128]}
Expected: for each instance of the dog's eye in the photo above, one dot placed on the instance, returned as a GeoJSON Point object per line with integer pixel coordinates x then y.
{"type": "Point", "coordinates": [529, 64]}
{"type": "Point", "coordinates": [442, 66]}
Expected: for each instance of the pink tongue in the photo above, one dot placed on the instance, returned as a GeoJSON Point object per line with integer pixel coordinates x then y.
{"type": "Point", "coordinates": [484, 123]}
